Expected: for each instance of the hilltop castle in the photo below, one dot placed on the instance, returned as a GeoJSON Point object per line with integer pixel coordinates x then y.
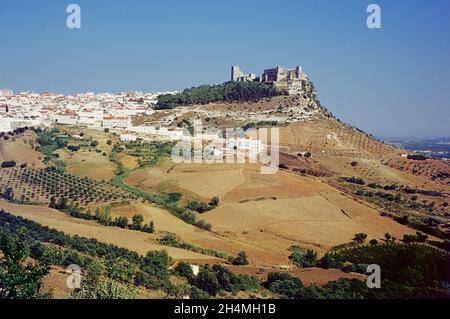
{"type": "Point", "coordinates": [282, 78]}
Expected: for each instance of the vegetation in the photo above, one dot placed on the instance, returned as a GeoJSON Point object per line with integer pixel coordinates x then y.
{"type": "Point", "coordinates": [171, 240]}
{"type": "Point", "coordinates": [240, 260]}
{"type": "Point", "coordinates": [416, 157]}
{"type": "Point", "coordinates": [283, 284]}
{"type": "Point", "coordinates": [216, 278]}
{"type": "Point", "coordinates": [19, 278]}
{"type": "Point", "coordinates": [8, 164]}
{"type": "Point", "coordinates": [304, 259]}
{"type": "Point", "coordinates": [360, 237]}
{"type": "Point", "coordinates": [408, 269]}
{"type": "Point", "coordinates": [49, 141]}
{"type": "Point", "coordinates": [226, 92]}
{"type": "Point", "coordinates": [353, 179]}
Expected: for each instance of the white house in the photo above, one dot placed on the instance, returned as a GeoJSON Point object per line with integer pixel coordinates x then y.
{"type": "Point", "coordinates": [67, 117]}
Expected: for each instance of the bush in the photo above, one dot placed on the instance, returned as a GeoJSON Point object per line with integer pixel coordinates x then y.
{"type": "Point", "coordinates": [207, 281]}
{"type": "Point", "coordinates": [169, 240]}
{"type": "Point", "coordinates": [137, 221]}
{"type": "Point", "coordinates": [353, 179]}
{"type": "Point", "coordinates": [328, 261]}
{"type": "Point", "coordinates": [304, 260]}
{"type": "Point", "coordinates": [184, 270]}
{"type": "Point", "coordinates": [419, 238]}
{"type": "Point", "coordinates": [360, 237]}
{"type": "Point", "coordinates": [214, 201]}
{"type": "Point", "coordinates": [284, 284]}
{"type": "Point", "coordinates": [198, 206]}
{"type": "Point", "coordinates": [416, 157]}
{"type": "Point", "coordinates": [7, 164]}
{"type": "Point", "coordinates": [241, 259]}
{"type": "Point", "coordinates": [73, 148]}
{"type": "Point", "coordinates": [121, 221]}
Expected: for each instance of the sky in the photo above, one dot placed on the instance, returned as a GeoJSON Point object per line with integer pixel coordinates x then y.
{"type": "Point", "coordinates": [390, 82]}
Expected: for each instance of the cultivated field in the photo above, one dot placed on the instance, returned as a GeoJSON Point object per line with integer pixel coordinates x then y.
{"type": "Point", "coordinates": [133, 240]}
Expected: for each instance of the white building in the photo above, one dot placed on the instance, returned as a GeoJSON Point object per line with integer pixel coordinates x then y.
{"type": "Point", "coordinates": [143, 129]}
{"type": "Point", "coordinates": [128, 137]}
{"type": "Point", "coordinates": [116, 122]}
{"type": "Point", "coordinates": [68, 117]}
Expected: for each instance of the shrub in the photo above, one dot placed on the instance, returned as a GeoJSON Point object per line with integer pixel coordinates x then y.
{"type": "Point", "coordinates": [214, 201]}
{"type": "Point", "coordinates": [207, 281]}
{"type": "Point", "coordinates": [169, 240]}
{"type": "Point", "coordinates": [360, 237]}
{"type": "Point", "coordinates": [283, 284]}
{"type": "Point", "coordinates": [198, 206]}
{"type": "Point", "coordinates": [241, 259]}
{"type": "Point", "coordinates": [353, 179]}
{"type": "Point", "coordinates": [416, 157]}
{"type": "Point", "coordinates": [304, 259]}
{"type": "Point", "coordinates": [184, 270]}
{"type": "Point", "coordinates": [137, 221]}
{"type": "Point", "coordinates": [419, 238]}
{"type": "Point", "coordinates": [7, 164]}
{"type": "Point", "coordinates": [121, 221]}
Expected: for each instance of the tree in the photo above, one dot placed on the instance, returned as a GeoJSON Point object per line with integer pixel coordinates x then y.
{"type": "Point", "coordinates": [284, 284]}
{"type": "Point", "coordinates": [7, 164]}
{"type": "Point", "coordinates": [304, 260]}
{"type": "Point", "coordinates": [360, 237]}
{"type": "Point", "coordinates": [62, 203]}
{"type": "Point", "coordinates": [241, 259]}
{"type": "Point", "coordinates": [8, 194]}
{"type": "Point", "coordinates": [137, 221]}
{"type": "Point", "coordinates": [19, 279]}
{"type": "Point", "coordinates": [109, 142]}
{"type": "Point", "coordinates": [214, 201]}
{"type": "Point", "coordinates": [207, 281]}
{"type": "Point", "coordinates": [150, 228]}
{"type": "Point", "coordinates": [169, 240]}
{"type": "Point", "coordinates": [121, 221]}
{"type": "Point", "coordinates": [184, 270]}
{"type": "Point", "coordinates": [156, 263]}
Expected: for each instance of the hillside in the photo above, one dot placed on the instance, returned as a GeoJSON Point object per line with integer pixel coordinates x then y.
{"type": "Point", "coordinates": [335, 181]}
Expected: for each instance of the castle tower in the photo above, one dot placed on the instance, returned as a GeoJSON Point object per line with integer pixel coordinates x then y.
{"type": "Point", "coordinates": [235, 73]}
{"type": "Point", "coordinates": [299, 71]}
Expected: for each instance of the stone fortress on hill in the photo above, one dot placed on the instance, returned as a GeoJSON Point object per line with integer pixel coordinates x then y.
{"type": "Point", "coordinates": [289, 80]}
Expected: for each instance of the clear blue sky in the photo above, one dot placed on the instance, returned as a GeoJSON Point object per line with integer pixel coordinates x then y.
{"type": "Point", "coordinates": [389, 82]}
